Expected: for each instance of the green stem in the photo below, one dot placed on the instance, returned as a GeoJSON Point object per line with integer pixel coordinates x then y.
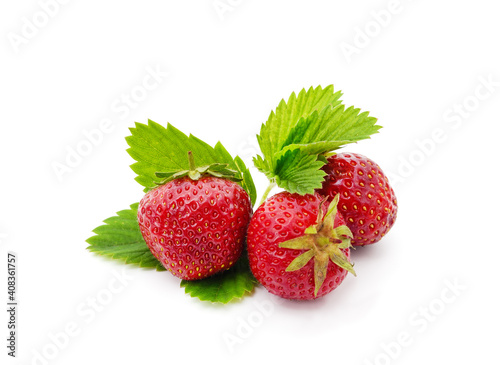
{"type": "Point", "coordinates": [270, 187]}
{"type": "Point", "coordinates": [192, 166]}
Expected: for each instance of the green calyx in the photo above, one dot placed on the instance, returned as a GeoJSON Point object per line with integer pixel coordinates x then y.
{"type": "Point", "coordinates": [322, 243]}
{"type": "Point", "coordinates": [195, 173]}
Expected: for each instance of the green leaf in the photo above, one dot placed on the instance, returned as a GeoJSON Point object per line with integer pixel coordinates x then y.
{"type": "Point", "coordinates": [330, 129]}
{"type": "Point", "coordinates": [223, 287]}
{"type": "Point", "coordinates": [279, 124]}
{"type": "Point", "coordinates": [264, 167]}
{"type": "Point", "coordinates": [164, 150]}
{"type": "Point", "coordinates": [121, 239]}
{"type": "Point", "coordinates": [294, 138]}
{"type": "Point", "coordinates": [314, 148]}
{"type": "Point", "coordinates": [299, 172]}
{"type": "Point", "coordinates": [247, 182]}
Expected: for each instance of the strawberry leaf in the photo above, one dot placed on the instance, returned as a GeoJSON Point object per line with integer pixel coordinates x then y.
{"type": "Point", "coordinates": [247, 182]}
{"type": "Point", "coordinates": [333, 125]}
{"type": "Point", "coordinates": [277, 128]}
{"type": "Point", "coordinates": [234, 283]}
{"type": "Point", "coordinates": [299, 172]}
{"type": "Point", "coordinates": [163, 150]}
{"type": "Point", "coordinates": [295, 136]}
{"type": "Point", "coordinates": [120, 238]}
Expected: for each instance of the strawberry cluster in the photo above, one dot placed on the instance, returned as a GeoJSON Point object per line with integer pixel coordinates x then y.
{"type": "Point", "coordinates": [298, 241]}
{"type": "Point", "coordinates": [197, 220]}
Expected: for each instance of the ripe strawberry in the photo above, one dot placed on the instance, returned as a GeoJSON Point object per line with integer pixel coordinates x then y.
{"type": "Point", "coordinates": [195, 225]}
{"type": "Point", "coordinates": [298, 246]}
{"type": "Point", "coordinates": [367, 201]}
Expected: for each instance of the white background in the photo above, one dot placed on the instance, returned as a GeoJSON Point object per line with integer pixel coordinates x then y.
{"type": "Point", "coordinates": [414, 71]}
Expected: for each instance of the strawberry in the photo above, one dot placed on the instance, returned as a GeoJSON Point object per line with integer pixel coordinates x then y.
{"type": "Point", "coordinates": [195, 222]}
{"type": "Point", "coordinates": [367, 201]}
{"type": "Point", "coordinates": [298, 246]}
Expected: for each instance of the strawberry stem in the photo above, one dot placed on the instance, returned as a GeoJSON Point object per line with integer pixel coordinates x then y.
{"type": "Point", "coordinates": [324, 242]}
{"type": "Point", "coordinates": [192, 166]}
{"type": "Point", "coordinates": [270, 187]}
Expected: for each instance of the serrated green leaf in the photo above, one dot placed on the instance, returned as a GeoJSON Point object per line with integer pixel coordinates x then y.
{"type": "Point", "coordinates": [223, 287]}
{"type": "Point", "coordinates": [332, 127]}
{"type": "Point", "coordinates": [299, 172]}
{"type": "Point", "coordinates": [279, 124]}
{"type": "Point", "coordinates": [120, 238]}
{"type": "Point", "coordinates": [263, 167]}
{"type": "Point", "coordinates": [314, 148]}
{"type": "Point", "coordinates": [162, 150]}
{"type": "Point", "coordinates": [247, 182]}
{"type": "Point", "coordinates": [314, 122]}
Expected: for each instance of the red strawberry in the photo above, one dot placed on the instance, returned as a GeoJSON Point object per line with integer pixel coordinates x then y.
{"type": "Point", "coordinates": [367, 201]}
{"type": "Point", "coordinates": [298, 246]}
{"type": "Point", "coordinates": [195, 228]}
